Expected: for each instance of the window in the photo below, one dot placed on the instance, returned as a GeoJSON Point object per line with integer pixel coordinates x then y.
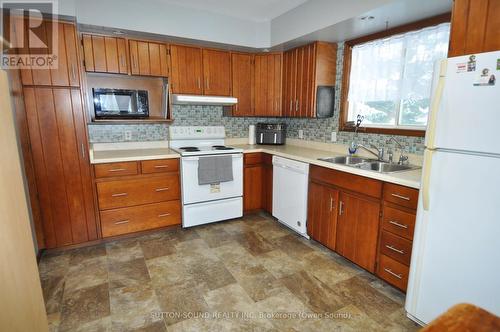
{"type": "Point", "coordinates": [390, 78]}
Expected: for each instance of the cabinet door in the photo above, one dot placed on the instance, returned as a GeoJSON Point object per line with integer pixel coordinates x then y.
{"type": "Point", "coordinates": [274, 85]}
{"type": "Point", "coordinates": [475, 27]}
{"type": "Point", "coordinates": [261, 85]}
{"type": "Point", "coordinates": [286, 80]}
{"type": "Point", "coordinates": [104, 54]}
{"type": "Point", "coordinates": [217, 72]}
{"type": "Point", "coordinates": [148, 58]}
{"type": "Point", "coordinates": [357, 230]}
{"type": "Point", "coordinates": [307, 79]}
{"type": "Point", "coordinates": [292, 84]}
{"type": "Point", "coordinates": [67, 72]}
{"type": "Point", "coordinates": [243, 83]}
{"type": "Point", "coordinates": [252, 188]}
{"type": "Point", "coordinates": [186, 69]}
{"type": "Point", "coordinates": [322, 214]}
{"type": "Point", "coordinates": [58, 141]}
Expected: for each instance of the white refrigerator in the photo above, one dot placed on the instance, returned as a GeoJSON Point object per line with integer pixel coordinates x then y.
{"type": "Point", "coordinates": [456, 248]}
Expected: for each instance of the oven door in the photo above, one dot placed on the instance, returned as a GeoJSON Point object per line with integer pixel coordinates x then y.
{"type": "Point", "coordinates": [192, 192]}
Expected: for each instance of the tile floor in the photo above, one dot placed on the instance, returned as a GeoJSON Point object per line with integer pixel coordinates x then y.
{"type": "Point", "coordinates": [250, 274]}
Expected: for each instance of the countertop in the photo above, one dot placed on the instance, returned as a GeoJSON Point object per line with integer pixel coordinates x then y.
{"type": "Point", "coordinates": [110, 156]}
{"type": "Point", "coordinates": [308, 155]}
{"type": "Point", "coordinates": [130, 151]}
{"type": "Point", "coordinates": [134, 151]}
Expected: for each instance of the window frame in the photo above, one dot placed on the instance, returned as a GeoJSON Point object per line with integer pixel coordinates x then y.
{"type": "Point", "coordinates": [348, 45]}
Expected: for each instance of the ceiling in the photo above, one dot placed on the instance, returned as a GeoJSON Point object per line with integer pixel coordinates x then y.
{"type": "Point", "coordinates": [254, 10]}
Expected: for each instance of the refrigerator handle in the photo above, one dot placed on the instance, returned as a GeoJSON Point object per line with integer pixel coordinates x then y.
{"type": "Point", "coordinates": [436, 101]}
{"type": "Point", "coordinates": [426, 178]}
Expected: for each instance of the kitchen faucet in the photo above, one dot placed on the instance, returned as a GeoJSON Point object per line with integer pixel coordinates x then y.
{"type": "Point", "coordinates": [379, 154]}
{"type": "Point", "coordinates": [402, 158]}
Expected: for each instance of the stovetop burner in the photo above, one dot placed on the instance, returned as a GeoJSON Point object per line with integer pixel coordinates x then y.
{"type": "Point", "coordinates": [189, 148]}
{"type": "Point", "coordinates": [222, 147]}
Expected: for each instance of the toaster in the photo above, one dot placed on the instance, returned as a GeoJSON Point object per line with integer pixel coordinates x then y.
{"type": "Point", "coordinates": [270, 133]}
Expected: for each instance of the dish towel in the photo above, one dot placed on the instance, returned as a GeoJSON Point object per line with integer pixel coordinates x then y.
{"type": "Point", "coordinates": [215, 169]}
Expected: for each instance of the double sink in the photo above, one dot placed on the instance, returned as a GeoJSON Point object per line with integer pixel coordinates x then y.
{"type": "Point", "coordinates": [369, 164]}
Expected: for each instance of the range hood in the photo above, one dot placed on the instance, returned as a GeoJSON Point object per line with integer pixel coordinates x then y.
{"type": "Point", "coordinates": [203, 100]}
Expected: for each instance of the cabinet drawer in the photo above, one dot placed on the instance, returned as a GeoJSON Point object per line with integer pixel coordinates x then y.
{"type": "Point", "coordinates": [116, 169]}
{"type": "Point", "coordinates": [398, 222]}
{"type": "Point", "coordinates": [140, 218]}
{"type": "Point", "coordinates": [115, 194]}
{"type": "Point", "coordinates": [395, 247]}
{"type": "Point", "coordinates": [393, 272]}
{"type": "Point", "coordinates": [159, 166]}
{"type": "Point", "coordinates": [400, 195]}
{"type": "Point", "coordinates": [253, 158]}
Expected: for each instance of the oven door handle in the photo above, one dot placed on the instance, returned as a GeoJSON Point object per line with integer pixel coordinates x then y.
{"type": "Point", "coordinates": [235, 156]}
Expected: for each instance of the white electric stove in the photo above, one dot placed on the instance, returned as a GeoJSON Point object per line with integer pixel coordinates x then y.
{"type": "Point", "coordinates": [203, 204]}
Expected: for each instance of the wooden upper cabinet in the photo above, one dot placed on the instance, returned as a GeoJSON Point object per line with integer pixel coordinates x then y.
{"type": "Point", "coordinates": [242, 78]}
{"type": "Point", "coordinates": [475, 27]}
{"type": "Point", "coordinates": [217, 72]}
{"type": "Point", "coordinates": [56, 123]}
{"type": "Point", "coordinates": [187, 69]}
{"type": "Point", "coordinates": [305, 69]}
{"type": "Point", "coordinates": [268, 85]}
{"type": "Point", "coordinates": [105, 54]}
{"type": "Point", "coordinates": [67, 72]}
{"type": "Point", "coordinates": [357, 229]}
{"type": "Point", "coordinates": [148, 58]}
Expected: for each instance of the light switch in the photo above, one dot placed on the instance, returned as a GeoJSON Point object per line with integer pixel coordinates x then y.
{"type": "Point", "coordinates": [334, 136]}
{"type": "Point", "coordinates": [301, 133]}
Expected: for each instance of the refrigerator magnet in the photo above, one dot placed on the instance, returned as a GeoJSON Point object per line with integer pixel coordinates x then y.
{"type": "Point", "coordinates": [471, 65]}
{"type": "Point", "coordinates": [486, 78]}
{"type": "Point", "coordinates": [461, 67]}
{"type": "Point", "coordinates": [498, 64]}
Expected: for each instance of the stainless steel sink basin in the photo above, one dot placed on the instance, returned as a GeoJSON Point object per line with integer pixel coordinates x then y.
{"type": "Point", "coordinates": [346, 160]}
{"type": "Point", "coordinates": [383, 167]}
{"type": "Point", "coordinates": [369, 164]}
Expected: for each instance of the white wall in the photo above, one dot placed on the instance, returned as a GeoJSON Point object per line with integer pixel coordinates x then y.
{"type": "Point", "coordinates": [158, 17]}
{"type": "Point", "coordinates": [314, 15]}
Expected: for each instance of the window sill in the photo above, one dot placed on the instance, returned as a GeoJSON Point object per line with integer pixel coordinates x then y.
{"type": "Point", "coordinates": [386, 131]}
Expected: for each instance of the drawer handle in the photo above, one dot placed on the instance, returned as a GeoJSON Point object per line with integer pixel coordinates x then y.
{"type": "Point", "coordinates": [117, 170]}
{"type": "Point", "coordinates": [401, 197]}
{"type": "Point", "coordinates": [399, 276]}
{"type": "Point", "coordinates": [162, 189]}
{"type": "Point", "coordinates": [395, 223]}
{"type": "Point", "coordinates": [394, 249]}
{"type": "Point", "coordinates": [122, 222]}
{"type": "Point", "coordinates": [163, 215]}
{"type": "Point", "coordinates": [119, 195]}
{"type": "Point", "coordinates": [161, 166]}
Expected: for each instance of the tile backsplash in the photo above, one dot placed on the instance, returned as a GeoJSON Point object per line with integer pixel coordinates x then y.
{"type": "Point", "coordinates": [318, 130]}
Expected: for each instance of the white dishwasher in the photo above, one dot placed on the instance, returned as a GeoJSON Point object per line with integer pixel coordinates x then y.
{"type": "Point", "coordinates": [290, 183]}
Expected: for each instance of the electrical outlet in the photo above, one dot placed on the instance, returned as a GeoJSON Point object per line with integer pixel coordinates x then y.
{"type": "Point", "coordinates": [301, 134]}
{"type": "Point", "coordinates": [127, 136]}
{"type": "Point", "coordinates": [334, 136]}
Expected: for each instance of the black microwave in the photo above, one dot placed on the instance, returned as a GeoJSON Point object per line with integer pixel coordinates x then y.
{"type": "Point", "coordinates": [120, 103]}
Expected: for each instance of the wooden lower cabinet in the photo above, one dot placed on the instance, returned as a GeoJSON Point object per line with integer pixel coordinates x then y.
{"type": "Point", "coordinates": [140, 218]}
{"type": "Point", "coordinates": [357, 229]}
{"type": "Point", "coordinates": [148, 200]}
{"type": "Point", "coordinates": [58, 143]}
{"type": "Point", "coordinates": [344, 214]}
{"type": "Point", "coordinates": [322, 214]}
{"type": "Point", "coordinates": [257, 182]}
{"type": "Point", "coordinates": [252, 188]}
{"type": "Point", "coordinates": [396, 234]}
